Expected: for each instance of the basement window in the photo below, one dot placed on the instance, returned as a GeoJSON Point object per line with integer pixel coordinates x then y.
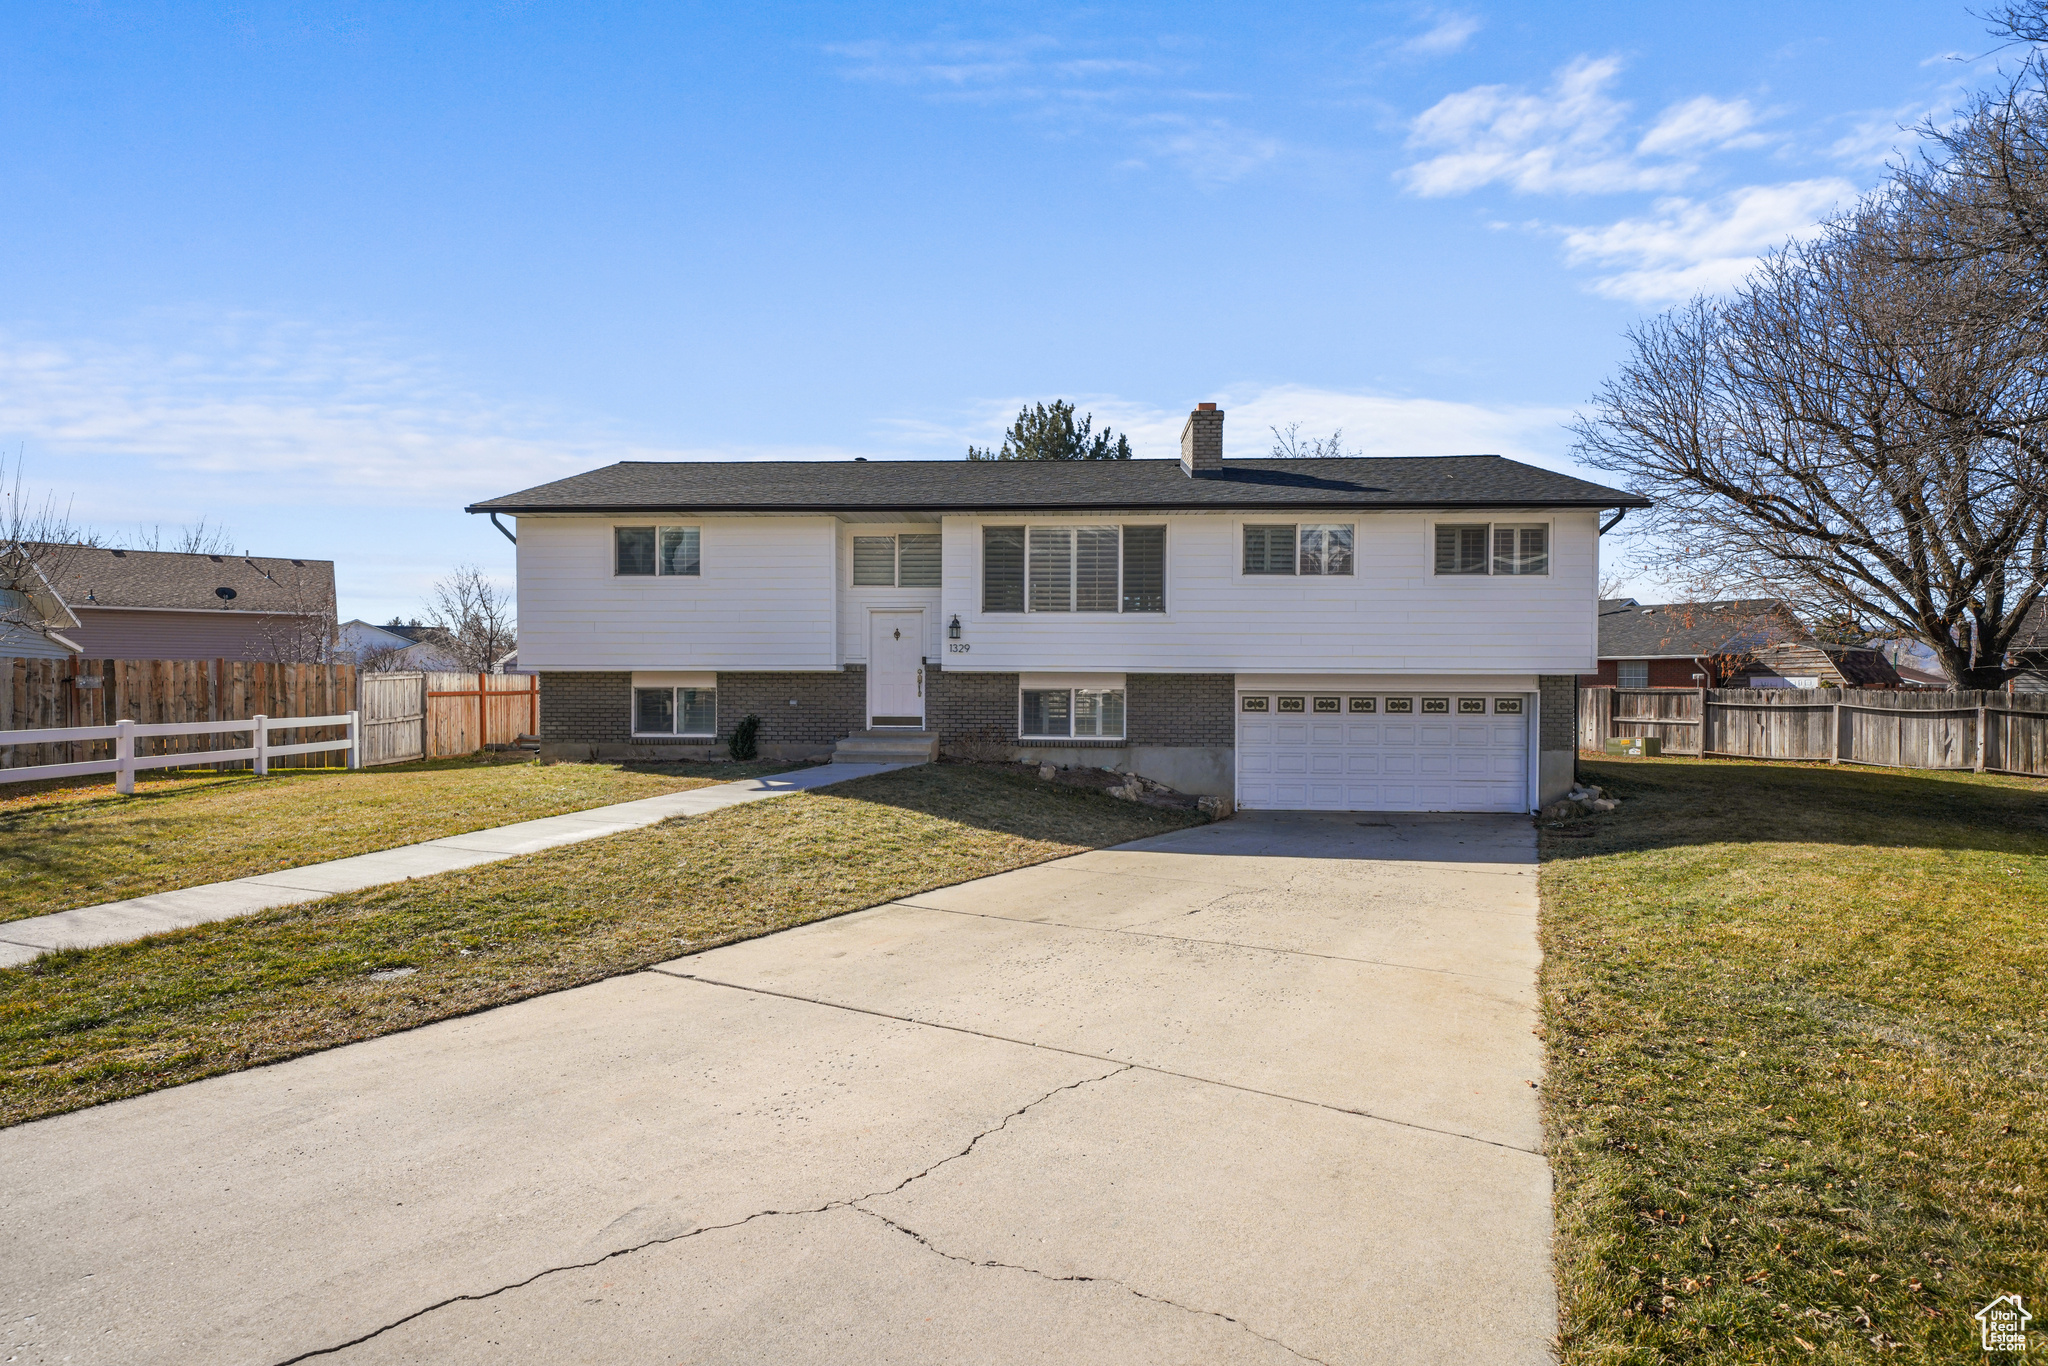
{"type": "Point", "coordinates": [675, 711]}
{"type": "Point", "coordinates": [1071, 714]}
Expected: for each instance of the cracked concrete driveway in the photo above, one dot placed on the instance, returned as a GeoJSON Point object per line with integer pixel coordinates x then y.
{"type": "Point", "coordinates": [1253, 1092]}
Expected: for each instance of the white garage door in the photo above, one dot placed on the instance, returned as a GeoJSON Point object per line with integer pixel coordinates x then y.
{"type": "Point", "coordinates": [1382, 752]}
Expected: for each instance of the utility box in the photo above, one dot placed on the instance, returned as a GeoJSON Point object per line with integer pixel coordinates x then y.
{"type": "Point", "coordinates": [1636, 747]}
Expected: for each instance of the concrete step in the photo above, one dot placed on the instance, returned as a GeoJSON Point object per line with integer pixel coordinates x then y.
{"type": "Point", "coordinates": [887, 747]}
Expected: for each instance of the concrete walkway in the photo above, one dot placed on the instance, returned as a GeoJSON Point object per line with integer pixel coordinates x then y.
{"type": "Point", "coordinates": [1252, 1092]}
{"type": "Point", "coordinates": [117, 922]}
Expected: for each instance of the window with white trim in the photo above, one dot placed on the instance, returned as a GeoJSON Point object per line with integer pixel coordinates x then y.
{"type": "Point", "coordinates": [907, 561]}
{"type": "Point", "coordinates": [1492, 548]}
{"type": "Point", "coordinates": [1071, 714]}
{"type": "Point", "coordinates": [1073, 569]}
{"type": "Point", "coordinates": [1632, 673]}
{"type": "Point", "coordinates": [1314, 548]}
{"type": "Point", "coordinates": [650, 551]}
{"type": "Point", "coordinates": [675, 711]}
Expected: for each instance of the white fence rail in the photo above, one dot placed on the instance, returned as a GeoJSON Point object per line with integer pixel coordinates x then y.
{"type": "Point", "coordinates": [126, 763]}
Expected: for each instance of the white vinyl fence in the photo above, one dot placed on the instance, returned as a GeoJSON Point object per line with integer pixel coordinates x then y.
{"type": "Point", "coordinates": [125, 762]}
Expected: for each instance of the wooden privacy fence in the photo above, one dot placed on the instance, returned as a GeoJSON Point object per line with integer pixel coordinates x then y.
{"type": "Point", "coordinates": [436, 715]}
{"type": "Point", "coordinates": [125, 759]}
{"type": "Point", "coordinates": [1985, 731]}
{"type": "Point", "coordinates": [94, 694]}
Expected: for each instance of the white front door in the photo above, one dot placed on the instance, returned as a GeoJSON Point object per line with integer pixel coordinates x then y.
{"type": "Point", "coordinates": [896, 669]}
{"type": "Point", "coordinates": [1340, 751]}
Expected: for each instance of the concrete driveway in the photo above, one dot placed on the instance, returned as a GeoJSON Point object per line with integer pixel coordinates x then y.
{"type": "Point", "coordinates": [1254, 1092]}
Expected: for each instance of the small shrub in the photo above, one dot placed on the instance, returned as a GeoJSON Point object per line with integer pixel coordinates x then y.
{"type": "Point", "coordinates": [982, 746]}
{"type": "Point", "coordinates": [744, 734]}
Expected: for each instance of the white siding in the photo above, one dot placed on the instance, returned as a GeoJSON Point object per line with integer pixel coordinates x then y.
{"type": "Point", "coordinates": [1394, 615]}
{"type": "Point", "coordinates": [856, 603]}
{"type": "Point", "coordinates": [763, 601]}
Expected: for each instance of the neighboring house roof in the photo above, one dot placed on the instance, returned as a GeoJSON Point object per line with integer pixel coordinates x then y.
{"type": "Point", "coordinates": [1453, 481]}
{"type": "Point", "coordinates": [2033, 633]}
{"type": "Point", "coordinates": [1693, 630]}
{"type": "Point", "coordinates": [88, 577]}
{"type": "Point", "coordinates": [1862, 667]}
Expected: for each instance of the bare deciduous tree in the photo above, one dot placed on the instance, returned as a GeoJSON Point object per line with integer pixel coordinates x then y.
{"type": "Point", "coordinates": [37, 543]}
{"type": "Point", "coordinates": [1861, 429]}
{"type": "Point", "coordinates": [299, 625]}
{"type": "Point", "coordinates": [476, 617]}
{"type": "Point", "coordinates": [197, 538]}
{"type": "Point", "coordinates": [1290, 444]}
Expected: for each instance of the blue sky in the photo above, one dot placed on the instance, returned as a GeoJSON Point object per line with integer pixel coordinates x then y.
{"type": "Point", "coordinates": [326, 272]}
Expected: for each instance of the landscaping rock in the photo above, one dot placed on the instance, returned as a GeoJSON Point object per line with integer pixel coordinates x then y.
{"type": "Point", "coordinates": [1216, 808]}
{"type": "Point", "coordinates": [1048, 772]}
{"type": "Point", "coordinates": [1604, 804]}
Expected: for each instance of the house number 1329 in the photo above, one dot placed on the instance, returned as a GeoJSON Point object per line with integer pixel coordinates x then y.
{"type": "Point", "coordinates": [958, 647]}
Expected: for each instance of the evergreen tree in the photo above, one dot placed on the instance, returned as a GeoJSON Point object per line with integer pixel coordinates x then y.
{"type": "Point", "coordinates": [1050, 433]}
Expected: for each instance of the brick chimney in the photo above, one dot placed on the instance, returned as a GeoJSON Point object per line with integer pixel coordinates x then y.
{"type": "Point", "coordinates": [1201, 441]}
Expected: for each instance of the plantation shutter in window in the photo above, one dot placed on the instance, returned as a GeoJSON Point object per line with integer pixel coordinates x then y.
{"type": "Point", "coordinates": [1144, 569]}
{"type": "Point", "coordinates": [1052, 569]}
{"type": "Point", "coordinates": [1521, 550]}
{"type": "Point", "coordinates": [1095, 569]}
{"type": "Point", "coordinates": [919, 565]}
{"type": "Point", "coordinates": [1326, 550]}
{"type": "Point", "coordinates": [1268, 549]}
{"type": "Point", "coordinates": [1002, 569]}
{"type": "Point", "coordinates": [1461, 550]}
{"type": "Point", "coordinates": [874, 562]}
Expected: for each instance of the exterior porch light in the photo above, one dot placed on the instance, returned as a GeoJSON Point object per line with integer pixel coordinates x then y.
{"type": "Point", "coordinates": [953, 629]}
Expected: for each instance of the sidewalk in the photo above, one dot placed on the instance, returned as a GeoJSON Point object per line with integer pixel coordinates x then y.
{"type": "Point", "coordinates": [117, 922]}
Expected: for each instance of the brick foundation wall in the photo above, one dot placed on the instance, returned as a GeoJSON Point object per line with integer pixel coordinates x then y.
{"type": "Point", "coordinates": [964, 707]}
{"type": "Point", "coordinates": [1181, 709]}
{"type": "Point", "coordinates": [1560, 722]}
{"type": "Point", "coordinates": [829, 706]}
{"type": "Point", "coordinates": [1160, 709]}
{"type": "Point", "coordinates": [586, 708]}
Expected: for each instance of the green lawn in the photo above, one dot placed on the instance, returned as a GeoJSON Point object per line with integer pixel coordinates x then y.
{"type": "Point", "coordinates": [89, 1025]}
{"type": "Point", "coordinates": [78, 843]}
{"type": "Point", "coordinates": [1797, 1023]}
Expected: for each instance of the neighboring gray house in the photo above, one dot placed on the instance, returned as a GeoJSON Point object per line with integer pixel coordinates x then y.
{"type": "Point", "coordinates": [1738, 643]}
{"type": "Point", "coordinates": [2029, 652]}
{"type": "Point", "coordinates": [162, 604]}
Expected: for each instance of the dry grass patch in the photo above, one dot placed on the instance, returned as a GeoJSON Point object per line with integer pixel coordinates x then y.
{"type": "Point", "coordinates": [78, 844]}
{"type": "Point", "coordinates": [1798, 1037]}
{"type": "Point", "coordinates": [91, 1025]}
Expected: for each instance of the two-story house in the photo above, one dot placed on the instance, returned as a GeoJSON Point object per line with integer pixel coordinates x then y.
{"type": "Point", "coordinates": [1382, 634]}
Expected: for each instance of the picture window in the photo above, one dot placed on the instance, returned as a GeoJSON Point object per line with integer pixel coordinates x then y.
{"type": "Point", "coordinates": [1073, 569]}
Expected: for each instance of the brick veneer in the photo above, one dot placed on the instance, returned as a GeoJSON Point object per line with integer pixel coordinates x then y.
{"type": "Point", "coordinates": [1182, 709]}
{"type": "Point", "coordinates": [829, 706]}
{"type": "Point", "coordinates": [1160, 709]}
{"type": "Point", "coordinates": [1560, 721]}
{"type": "Point", "coordinates": [597, 708]}
{"type": "Point", "coordinates": [586, 708]}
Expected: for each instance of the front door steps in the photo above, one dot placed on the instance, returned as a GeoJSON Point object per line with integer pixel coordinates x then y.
{"type": "Point", "coordinates": [887, 747]}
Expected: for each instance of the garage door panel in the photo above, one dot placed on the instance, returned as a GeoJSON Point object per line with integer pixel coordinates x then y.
{"type": "Point", "coordinates": [1368, 761]}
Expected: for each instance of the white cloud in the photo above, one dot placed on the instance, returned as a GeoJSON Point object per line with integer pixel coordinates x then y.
{"type": "Point", "coordinates": [1207, 149]}
{"type": "Point", "coordinates": [256, 412]}
{"type": "Point", "coordinates": [1702, 121]}
{"type": "Point", "coordinates": [1687, 246]}
{"type": "Point", "coordinates": [1564, 140]}
{"type": "Point", "coordinates": [1449, 33]}
{"type": "Point", "coordinates": [1571, 139]}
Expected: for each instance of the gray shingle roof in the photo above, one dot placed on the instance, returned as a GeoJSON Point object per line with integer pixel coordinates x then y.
{"type": "Point", "coordinates": [1634, 630]}
{"type": "Point", "coordinates": [1450, 481]}
{"type": "Point", "coordinates": [87, 576]}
